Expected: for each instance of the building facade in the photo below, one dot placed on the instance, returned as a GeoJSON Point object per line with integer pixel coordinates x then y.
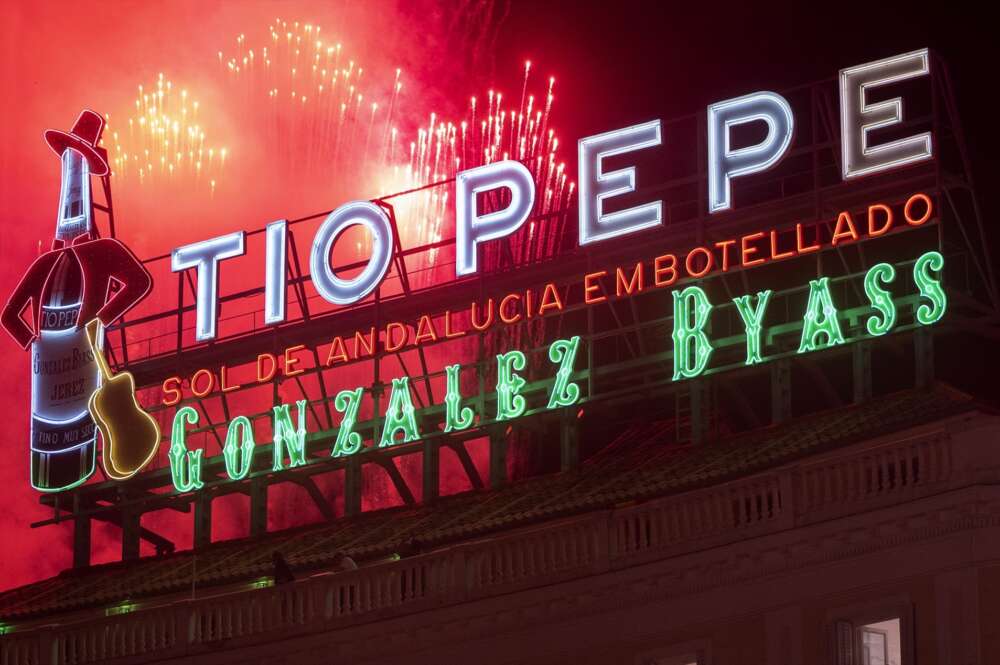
{"type": "Point", "coordinates": [690, 507]}
{"type": "Point", "coordinates": [867, 534]}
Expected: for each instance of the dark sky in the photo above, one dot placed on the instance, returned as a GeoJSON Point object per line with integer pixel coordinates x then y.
{"type": "Point", "coordinates": [635, 61]}
{"type": "Point", "coordinates": [675, 59]}
{"type": "Point", "coordinates": [665, 59]}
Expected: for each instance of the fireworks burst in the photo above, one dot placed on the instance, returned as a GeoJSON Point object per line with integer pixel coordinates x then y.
{"type": "Point", "coordinates": [326, 113]}
{"type": "Point", "coordinates": [443, 148]}
{"type": "Point", "coordinates": [322, 117]}
{"type": "Point", "coordinates": [164, 140]}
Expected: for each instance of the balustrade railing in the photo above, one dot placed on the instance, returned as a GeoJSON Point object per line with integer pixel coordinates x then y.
{"type": "Point", "coordinates": [573, 548]}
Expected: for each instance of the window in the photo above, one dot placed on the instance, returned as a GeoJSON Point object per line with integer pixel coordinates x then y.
{"type": "Point", "coordinates": [874, 636]}
{"type": "Point", "coordinates": [686, 659]}
{"type": "Point", "coordinates": [690, 653]}
{"type": "Point", "coordinates": [880, 643]}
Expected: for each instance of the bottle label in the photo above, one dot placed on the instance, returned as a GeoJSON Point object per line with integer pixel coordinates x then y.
{"type": "Point", "coordinates": [53, 437]}
{"type": "Point", "coordinates": [64, 376]}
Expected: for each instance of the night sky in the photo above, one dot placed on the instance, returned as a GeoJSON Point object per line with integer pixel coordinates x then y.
{"type": "Point", "coordinates": [616, 64]}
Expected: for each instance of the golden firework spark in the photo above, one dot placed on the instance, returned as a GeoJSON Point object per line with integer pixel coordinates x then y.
{"type": "Point", "coordinates": [443, 148]}
{"type": "Point", "coordinates": [321, 113]}
{"type": "Point", "coordinates": [327, 115]}
{"type": "Point", "coordinates": [164, 140]}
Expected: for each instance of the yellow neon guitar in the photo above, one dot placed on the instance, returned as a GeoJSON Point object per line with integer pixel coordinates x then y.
{"type": "Point", "coordinates": [130, 435]}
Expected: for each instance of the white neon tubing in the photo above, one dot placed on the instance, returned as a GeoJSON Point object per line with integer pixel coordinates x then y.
{"type": "Point", "coordinates": [472, 228]}
{"type": "Point", "coordinates": [596, 186]}
{"type": "Point", "coordinates": [346, 291]}
{"type": "Point", "coordinates": [724, 163]}
{"type": "Point", "coordinates": [205, 256]}
{"type": "Point", "coordinates": [858, 117]}
{"type": "Point", "coordinates": [275, 275]}
{"type": "Point", "coordinates": [75, 175]}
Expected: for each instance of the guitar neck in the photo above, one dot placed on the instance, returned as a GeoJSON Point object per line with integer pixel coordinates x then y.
{"type": "Point", "coordinates": [92, 330]}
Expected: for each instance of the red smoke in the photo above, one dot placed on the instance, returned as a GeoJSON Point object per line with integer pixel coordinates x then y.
{"type": "Point", "coordinates": [62, 57]}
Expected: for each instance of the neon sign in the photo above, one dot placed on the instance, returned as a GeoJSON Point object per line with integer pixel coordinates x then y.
{"type": "Point", "coordinates": [601, 219]}
{"type": "Point", "coordinates": [663, 271]}
{"type": "Point", "coordinates": [692, 351]}
{"type": "Point", "coordinates": [858, 119]}
{"type": "Point", "coordinates": [65, 288]}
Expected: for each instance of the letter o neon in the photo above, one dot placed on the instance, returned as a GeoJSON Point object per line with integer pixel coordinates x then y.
{"type": "Point", "coordinates": [341, 291]}
{"type": "Point", "coordinates": [709, 262]}
{"type": "Point", "coordinates": [194, 383]}
{"type": "Point", "coordinates": [927, 212]}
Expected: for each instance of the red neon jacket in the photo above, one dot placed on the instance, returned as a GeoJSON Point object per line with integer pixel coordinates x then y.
{"type": "Point", "coordinates": [102, 261]}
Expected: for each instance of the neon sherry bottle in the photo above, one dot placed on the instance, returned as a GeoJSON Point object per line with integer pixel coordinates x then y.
{"type": "Point", "coordinates": [64, 370]}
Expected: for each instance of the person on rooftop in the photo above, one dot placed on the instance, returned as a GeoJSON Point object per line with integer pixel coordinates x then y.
{"type": "Point", "coordinates": [410, 547]}
{"type": "Point", "coordinates": [343, 563]}
{"type": "Point", "coordinates": [282, 572]}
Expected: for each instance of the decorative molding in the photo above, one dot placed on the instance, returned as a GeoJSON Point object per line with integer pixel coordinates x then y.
{"type": "Point", "coordinates": [746, 531]}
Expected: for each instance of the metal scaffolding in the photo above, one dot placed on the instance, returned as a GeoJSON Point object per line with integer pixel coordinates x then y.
{"type": "Point", "coordinates": [626, 355]}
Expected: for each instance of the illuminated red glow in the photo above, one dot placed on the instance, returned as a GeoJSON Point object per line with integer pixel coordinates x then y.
{"type": "Point", "coordinates": [258, 187]}
{"type": "Point", "coordinates": [259, 183]}
{"type": "Point", "coordinates": [105, 262]}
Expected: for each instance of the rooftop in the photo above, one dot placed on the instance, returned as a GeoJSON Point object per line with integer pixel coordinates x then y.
{"type": "Point", "coordinates": [641, 463]}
